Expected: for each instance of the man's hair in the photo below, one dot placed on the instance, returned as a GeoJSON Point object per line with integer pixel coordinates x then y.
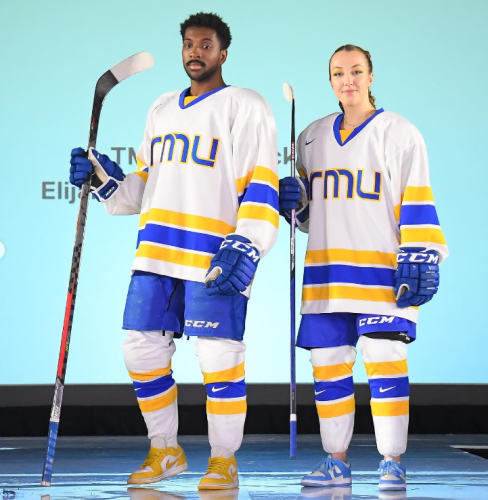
{"type": "Point", "coordinates": [211, 21]}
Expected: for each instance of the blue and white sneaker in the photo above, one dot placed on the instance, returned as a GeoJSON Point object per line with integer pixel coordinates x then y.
{"type": "Point", "coordinates": [329, 472]}
{"type": "Point", "coordinates": [392, 476]}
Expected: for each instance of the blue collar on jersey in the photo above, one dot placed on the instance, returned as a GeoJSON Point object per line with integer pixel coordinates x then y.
{"type": "Point", "coordinates": [198, 99]}
{"type": "Point", "coordinates": [355, 132]}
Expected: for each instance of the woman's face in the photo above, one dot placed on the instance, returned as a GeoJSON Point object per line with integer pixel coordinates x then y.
{"type": "Point", "coordinates": [350, 77]}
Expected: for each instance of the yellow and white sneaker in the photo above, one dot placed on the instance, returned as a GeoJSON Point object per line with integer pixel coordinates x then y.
{"type": "Point", "coordinates": [221, 474]}
{"type": "Point", "coordinates": [159, 465]}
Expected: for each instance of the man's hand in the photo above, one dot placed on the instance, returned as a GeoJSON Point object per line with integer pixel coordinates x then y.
{"type": "Point", "coordinates": [417, 277]}
{"type": "Point", "coordinates": [107, 174]}
{"type": "Point", "coordinates": [232, 267]}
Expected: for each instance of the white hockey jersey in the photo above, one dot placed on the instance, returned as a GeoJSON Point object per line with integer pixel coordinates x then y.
{"type": "Point", "coordinates": [368, 197]}
{"type": "Point", "coordinates": [205, 169]}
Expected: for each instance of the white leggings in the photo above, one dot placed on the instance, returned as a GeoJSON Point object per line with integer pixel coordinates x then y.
{"type": "Point", "coordinates": [386, 366]}
{"type": "Point", "coordinates": [148, 359]}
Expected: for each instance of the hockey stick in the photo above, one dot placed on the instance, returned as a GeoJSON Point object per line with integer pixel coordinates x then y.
{"type": "Point", "coordinates": [290, 96]}
{"type": "Point", "coordinates": [128, 67]}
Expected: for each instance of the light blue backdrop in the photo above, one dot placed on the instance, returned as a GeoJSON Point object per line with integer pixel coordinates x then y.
{"type": "Point", "coordinates": [429, 62]}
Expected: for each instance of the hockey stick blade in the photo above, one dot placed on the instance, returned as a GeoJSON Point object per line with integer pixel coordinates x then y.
{"type": "Point", "coordinates": [128, 67]}
{"type": "Point", "coordinates": [288, 92]}
{"type": "Point", "coordinates": [118, 73]}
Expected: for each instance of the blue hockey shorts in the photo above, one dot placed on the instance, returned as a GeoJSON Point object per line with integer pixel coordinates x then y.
{"type": "Point", "coordinates": [337, 329]}
{"type": "Point", "coordinates": [156, 302]}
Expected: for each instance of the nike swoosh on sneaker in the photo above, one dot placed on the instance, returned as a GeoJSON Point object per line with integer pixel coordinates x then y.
{"type": "Point", "coordinates": [169, 464]}
{"type": "Point", "coordinates": [233, 472]}
{"type": "Point", "coordinates": [320, 392]}
{"type": "Point", "coordinates": [387, 389]}
{"type": "Point", "coordinates": [220, 389]}
{"type": "Point", "coordinates": [307, 143]}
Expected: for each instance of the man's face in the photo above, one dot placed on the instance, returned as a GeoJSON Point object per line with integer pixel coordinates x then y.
{"type": "Point", "coordinates": [202, 56]}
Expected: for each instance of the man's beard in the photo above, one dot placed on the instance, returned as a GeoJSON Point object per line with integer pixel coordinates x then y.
{"type": "Point", "coordinates": [203, 76]}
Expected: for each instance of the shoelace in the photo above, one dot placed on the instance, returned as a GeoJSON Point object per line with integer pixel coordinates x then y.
{"type": "Point", "coordinates": [326, 464]}
{"type": "Point", "coordinates": [391, 466]}
{"type": "Point", "coordinates": [151, 457]}
{"type": "Point", "coordinates": [217, 465]}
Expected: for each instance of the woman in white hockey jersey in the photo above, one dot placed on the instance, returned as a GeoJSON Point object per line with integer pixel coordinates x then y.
{"type": "Point", "coordinates": [374, 246]}
{"type": "Point", "coordinates": [206, 190]}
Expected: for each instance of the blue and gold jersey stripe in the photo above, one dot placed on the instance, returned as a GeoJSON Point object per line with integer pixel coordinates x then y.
{"type": "Point", "coordinates": [184, 220]}
{"type": "Point", "coordinates": [339, 273]}
{"type": "Point", "coordinates": [344, 292]}
{"type": "Point", "coordinates": [174, 256]}
{"type": "Point", "coordinates": [350, 256]}
{"type": "Point", "coordinates": [418, 214]}
{"type": "Point", "coordinates": [258, 196]}
{"type": "Point", "coordinates": [181, 238]}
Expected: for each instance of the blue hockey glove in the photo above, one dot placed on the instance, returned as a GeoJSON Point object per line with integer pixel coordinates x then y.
{"type": "Point", "coordinates": [417, 276]}
{"type": "Point", "coordinates": [232, 267]}
{"type": "Point", "coordinates": [106, 174]}
{"type": "Point", "coordinates": [290, 195]}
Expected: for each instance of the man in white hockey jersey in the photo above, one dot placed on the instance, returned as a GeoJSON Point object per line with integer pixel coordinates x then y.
{"type": "Point", "coordinates": [207, 191]}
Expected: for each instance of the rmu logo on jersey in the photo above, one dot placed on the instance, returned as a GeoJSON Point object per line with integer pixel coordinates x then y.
{"type": "Point", "coordinates": [181, 147]}
{"type": "Point", "coordinates": [201, 324]}
{"type": "Point", "coordinates": [354, 184]}
{"type": "Point", "coordinates": [376, 320]}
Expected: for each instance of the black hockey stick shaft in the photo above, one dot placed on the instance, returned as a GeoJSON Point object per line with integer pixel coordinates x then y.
{"type": "Point", "coordinates": [104, 85]}
{"type": "Point", "coordinates": [290, 96]}
{"type": "Point", "coordinates": [293, 398]}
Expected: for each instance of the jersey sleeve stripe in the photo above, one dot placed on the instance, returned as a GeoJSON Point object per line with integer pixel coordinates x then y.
{"type": "Point", "coordinates": [258, 212]}
{"type": "Point", "coordinates": [140, 164]}
{"type": "Point", "coordinates": [267, 175]}
{"type": "Point", "coordinates": [302, 173]}
{"type": "Point", "coordinates": [181, 238]}
{"type": "Point", "coordinates": [418, 193]}
{"type": "Point", "coordinates": [352, 256]}
{"type": "Point", "coordinates": [397, 210]}
{"type": "Point", "coordinates": [243, 182]}
{"type": "Point", "coordinates": [412, 215]}
{"type": "Point", "coordinates": [261, 193]}
{"type": "Point", "coordinates": [422, 236]}
{"type": "Point", "coordinates": [348, 293]}
{"type": "Point", "coordinates": [173, 256]}
{"type": "Point", "coordinates": [186, 220]}
{"type": "Point", "coordinates": [334, 273]}
{"type": "Point", "coordinates": [142, 175]}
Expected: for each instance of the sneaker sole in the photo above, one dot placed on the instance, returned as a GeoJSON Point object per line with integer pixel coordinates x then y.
{"type": "Point", "coordinates": [317, 484]}
{"type": "Point", "coordinates": [392, 488]}
{"type": "Point", "coordinates": [169, 473]}
{"type": "Point", "coordinates": [218, 486]}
